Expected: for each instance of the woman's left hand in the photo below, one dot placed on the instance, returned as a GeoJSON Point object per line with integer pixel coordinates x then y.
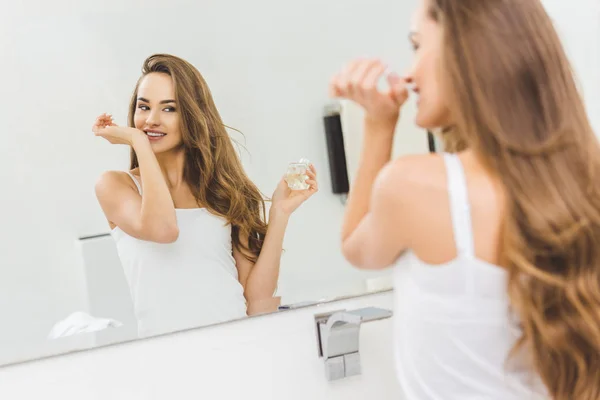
{"type": "Point", "coordinates": [286, 200]}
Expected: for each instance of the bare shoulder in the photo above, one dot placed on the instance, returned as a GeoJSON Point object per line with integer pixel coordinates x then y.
{"type": "Point", "coordinates": [111, 182]}
{"type": "Point", "coordinates": [413, 190]}
{"type": "Point", "coordinates": [410, 178]}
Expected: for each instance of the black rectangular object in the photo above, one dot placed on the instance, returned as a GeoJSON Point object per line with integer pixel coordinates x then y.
{"type": "Point", "coordinates": [431, 142]}
{"type": "Point", "coordinates": [337, 153]}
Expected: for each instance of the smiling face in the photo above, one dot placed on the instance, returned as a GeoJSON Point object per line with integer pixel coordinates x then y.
{"type": "Point", "coordinates": [156, 112]}
{"type": "Point", "coordinates": [427, 40]}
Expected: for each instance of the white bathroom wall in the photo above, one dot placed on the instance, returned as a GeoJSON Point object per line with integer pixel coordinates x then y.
{"type": "Point", "coordinates": [268, 64]}
{"type": "Point", "coordinates": [271, 357]}
{"type": "Point", "coordinates": [578, 23]}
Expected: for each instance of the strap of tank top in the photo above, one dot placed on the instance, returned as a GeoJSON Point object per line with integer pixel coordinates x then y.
{"type": "Point", "coordinates": [460, 207]}
{"type": "Point", "coordinates": [137, 184]}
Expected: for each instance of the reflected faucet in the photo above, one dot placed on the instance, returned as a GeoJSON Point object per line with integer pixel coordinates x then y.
{"type": "Point", "coordinates": [338, 339]}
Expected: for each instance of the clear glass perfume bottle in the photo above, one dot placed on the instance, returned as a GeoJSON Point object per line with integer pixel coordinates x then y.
{"type": "Point", "coordinates": [295, 175]}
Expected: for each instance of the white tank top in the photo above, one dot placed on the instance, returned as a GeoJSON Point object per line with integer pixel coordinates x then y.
{"type": "Point", "coordinates": [185, 284]}
{"type": "Point", "coordinates": [453, 331]}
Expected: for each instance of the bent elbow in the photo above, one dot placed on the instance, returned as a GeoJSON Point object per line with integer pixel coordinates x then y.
{"type": "Point", "coordinates": [352, 255]}
{"type": "Point", "coordinates": [168, 234]}
{"type": "Point", "coordinates": [363, 257]}
{"type": "Point", "coordinates": [161, 233]}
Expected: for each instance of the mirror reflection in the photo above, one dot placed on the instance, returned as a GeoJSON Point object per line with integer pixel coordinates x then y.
{"type": "Point", "coordinates": [169, 179]}
{"type": "Point", "coordinates": [189, 224]}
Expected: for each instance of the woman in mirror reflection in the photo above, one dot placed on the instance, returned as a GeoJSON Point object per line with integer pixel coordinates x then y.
{"type": "Point", "coordinates": [189, 224]}
{"type": "Point", "coordinates": [496, 242]}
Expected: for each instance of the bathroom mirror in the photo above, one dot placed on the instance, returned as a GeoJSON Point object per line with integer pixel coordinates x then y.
{"type": "Point", "coordinates": [267, 63]}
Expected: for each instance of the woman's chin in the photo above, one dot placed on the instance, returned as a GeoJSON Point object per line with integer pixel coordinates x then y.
{"type": "Point", "coordinates": [425, 121]}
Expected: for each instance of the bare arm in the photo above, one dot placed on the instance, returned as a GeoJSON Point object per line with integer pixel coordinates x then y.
{"type": "Point", "coordinates": [368, 237]}
{"type": "Point", "coordinates": [260, 279]}
{"type": "Point", "coordinates": [377, 231]}
{"type": "Point", "coordinates": [376, 153]}
{"type": "Point", "coordinates": [150, 216]}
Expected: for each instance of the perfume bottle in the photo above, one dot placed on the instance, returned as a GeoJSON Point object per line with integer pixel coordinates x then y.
{"type": "Point", "coordinates": [295, 175]}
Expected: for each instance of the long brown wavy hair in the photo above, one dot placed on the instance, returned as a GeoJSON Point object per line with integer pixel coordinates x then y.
{"type": "Point", "coordinates": [212, 168]}
{"type": "Point", "coordinates": [515, 103]}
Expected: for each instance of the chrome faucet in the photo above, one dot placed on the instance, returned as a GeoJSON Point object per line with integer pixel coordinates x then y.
{"type": "Point", "coordinates": [338, 339]}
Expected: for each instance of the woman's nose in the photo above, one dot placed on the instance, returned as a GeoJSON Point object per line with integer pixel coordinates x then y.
{"type": "Point", "coordinates": [152, 119]}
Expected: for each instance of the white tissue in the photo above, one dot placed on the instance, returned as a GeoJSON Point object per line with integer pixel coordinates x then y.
{"type": "Point", "coordinates": [80, 322]}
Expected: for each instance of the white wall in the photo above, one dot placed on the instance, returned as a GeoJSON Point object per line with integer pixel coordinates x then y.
{"type": "Point", "coordinates": [578, 23]}
{"type": "Point", "coordinates": [271, 357]}
{"type": "Point", "coordinates": [268, 63]}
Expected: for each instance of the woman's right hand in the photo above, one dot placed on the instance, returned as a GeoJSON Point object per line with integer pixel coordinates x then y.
{"type": "Point", "coordinates": [106, 128]}
{"type": "Point", "coordinates": [358, 82]}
